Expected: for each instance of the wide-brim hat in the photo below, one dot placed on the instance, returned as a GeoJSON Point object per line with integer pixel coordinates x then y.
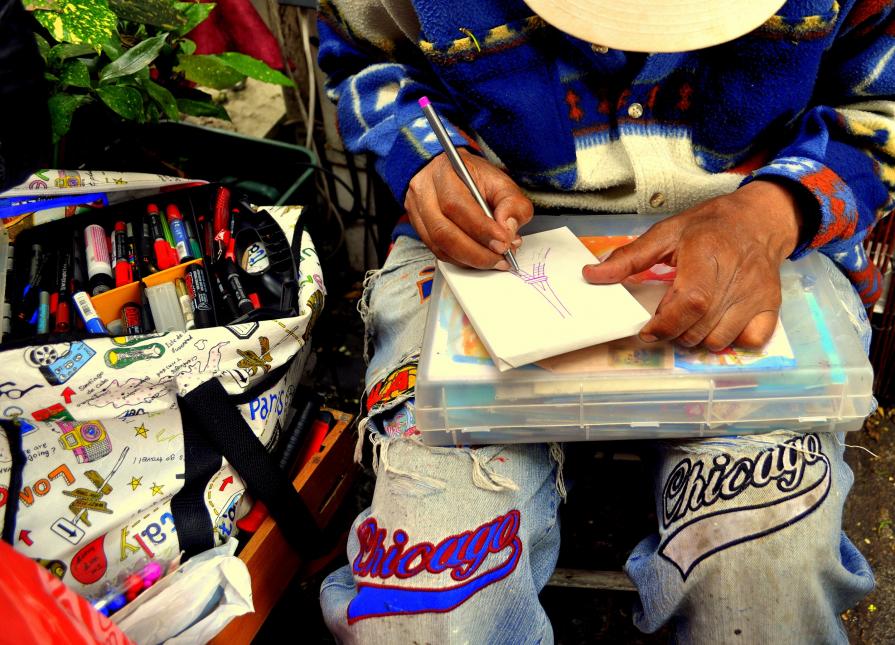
{"type": "Point", "coordinates": [656, 25]}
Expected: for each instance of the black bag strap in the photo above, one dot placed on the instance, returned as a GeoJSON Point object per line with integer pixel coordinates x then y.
{"type": "Point", "coordinates": [14, 437]}
{"type": "Point", "coordinates": [201, 462]}
{"type": "Point", "coordinates": [209, 408]}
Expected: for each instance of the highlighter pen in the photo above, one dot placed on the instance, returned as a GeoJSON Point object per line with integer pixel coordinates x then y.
{"type": "Point", "coordinates": [459, 167]}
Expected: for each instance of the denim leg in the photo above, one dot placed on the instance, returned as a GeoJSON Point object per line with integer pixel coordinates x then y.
{"type": "Point", "coordinates": [455, 548]}
{"type": "Point", "coordinates": [750, 546]}
{"type": "Point", "coordinates": [457, 542]}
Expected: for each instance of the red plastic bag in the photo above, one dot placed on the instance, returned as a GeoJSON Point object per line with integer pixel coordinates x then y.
{"type": "Point", "coordinates": [36, 607]}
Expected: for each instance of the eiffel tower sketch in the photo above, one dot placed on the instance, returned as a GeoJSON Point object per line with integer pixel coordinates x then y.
{"type": "Point", "coordinates": [540, 282]}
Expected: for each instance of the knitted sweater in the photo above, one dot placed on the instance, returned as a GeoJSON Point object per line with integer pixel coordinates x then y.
{"type": "Point", "coordinates": [805, 99]}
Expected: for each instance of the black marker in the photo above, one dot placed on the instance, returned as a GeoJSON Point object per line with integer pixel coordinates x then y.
{"type": "Point", "coordinates": [148, 321]}
{"type": "Point", "coordinates": [226, 296]}
{"type": "Point", "coordinates": [200, 295]}
{"type": "Point", "coordinates": [235, 282]}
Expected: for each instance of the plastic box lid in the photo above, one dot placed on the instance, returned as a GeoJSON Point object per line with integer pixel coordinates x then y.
{"type": "Point", "coordinates": [822, 381]}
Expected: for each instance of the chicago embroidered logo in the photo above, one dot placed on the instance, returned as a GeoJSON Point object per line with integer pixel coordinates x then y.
{"type": "Point", "coordinates": [462, 555]}
{"type": "Point", "coordinates": [797, 471]}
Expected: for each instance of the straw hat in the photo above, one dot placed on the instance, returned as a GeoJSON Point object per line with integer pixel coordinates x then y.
{"type": "Point", "coordinates": [656, 25]}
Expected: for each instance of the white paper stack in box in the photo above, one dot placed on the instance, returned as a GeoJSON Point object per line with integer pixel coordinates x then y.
{"type": "Point", "coordinates": [815, 375]}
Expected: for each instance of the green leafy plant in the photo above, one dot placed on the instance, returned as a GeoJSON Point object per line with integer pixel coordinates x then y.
{"type": "Point", "coordinates": [133, 57]}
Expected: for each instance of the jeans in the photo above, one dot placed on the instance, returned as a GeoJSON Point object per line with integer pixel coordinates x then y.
{"type": "Point", "coordinates": [458, 542]}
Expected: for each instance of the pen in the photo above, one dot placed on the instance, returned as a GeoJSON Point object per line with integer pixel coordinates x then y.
{"type": "Point", "coordinates": [459, 166]}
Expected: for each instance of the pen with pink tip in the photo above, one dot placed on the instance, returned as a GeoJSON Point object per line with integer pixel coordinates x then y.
{"type": "Point", "coordinates": [459, 166]}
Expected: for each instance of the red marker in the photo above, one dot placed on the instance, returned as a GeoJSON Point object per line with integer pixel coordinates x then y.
{"type": "Point", "coordinates": [121, 265]}
{"type": "Point", "coordinates": [222, 222]}
{"type": "Point", "coordinates": [165, 255]}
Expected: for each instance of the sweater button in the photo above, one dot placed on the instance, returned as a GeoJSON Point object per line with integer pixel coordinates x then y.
{"type": "Point", "coordinates": [635, 110]}
{"type": "Point", "coordinates": [657, 200]}
{"type": "Point", "coordinates": [600, 49]}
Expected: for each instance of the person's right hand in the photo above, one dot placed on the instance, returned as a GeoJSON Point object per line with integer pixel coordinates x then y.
{"type": "Point", "coordinates": [450, 222]}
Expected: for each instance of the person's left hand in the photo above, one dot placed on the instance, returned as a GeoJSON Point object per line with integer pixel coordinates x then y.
{"type": "Point", "coordinates": [728, 253]}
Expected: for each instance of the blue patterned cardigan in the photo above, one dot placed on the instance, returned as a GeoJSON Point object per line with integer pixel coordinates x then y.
{"type": "Point", "coordinates": [808, 98]}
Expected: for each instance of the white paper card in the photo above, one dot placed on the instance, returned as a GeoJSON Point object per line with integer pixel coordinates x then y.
{"type": "Point", "coordinates": [548, 308]}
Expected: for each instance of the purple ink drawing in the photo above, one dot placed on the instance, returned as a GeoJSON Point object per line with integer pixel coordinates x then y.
{"type": "Point", "coordinates": [540, 281]}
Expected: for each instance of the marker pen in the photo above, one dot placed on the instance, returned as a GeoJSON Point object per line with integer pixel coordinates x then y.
{"type": "Point", "coordinates": [178, 231]}
{"type": "Point", "coordinates": [221, 223]}
{"type": "Point", "coordinates": [63, 310]}
{"type": "Point", "coordinates": [132, 319]}
{"type": "Point", "coordinates": [148, 321]}
{"type": "Point", "coordinates": [43, 312]}
{"type": "Point", "coordinates": [200, 296]}
{"type": "Point", "coordinates": [147, 257]}
{"type": "Point", "coordinates": [235, 283]}
{"type": "Point", "coordinates": [185, 304]}
{"type": "Point", "coordinates": [163, 250]}
{"type": "Point", "coordinates": [99, 267]}
{"type": "Point", "coordinates": [226, 296]}
{"type": "Point", "coordinates": [131, 241]}
{"type": "Point", "coordinates": [88, 314]}
{"type": "Point", "coordinates": [169, 238]}
{"type": "Point", "coordinates": [120, 264]}
{"type": "Point", "coordinates": [195, 249]}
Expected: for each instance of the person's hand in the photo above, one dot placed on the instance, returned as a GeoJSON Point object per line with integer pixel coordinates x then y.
{"type": "Point", "coordinates": [448, 220]}
{"type": "Point", "coordinates": [728, 253]}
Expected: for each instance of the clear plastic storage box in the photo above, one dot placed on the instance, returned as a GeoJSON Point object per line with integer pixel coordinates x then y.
{"type": "Point", "coordinates": [816, 377]}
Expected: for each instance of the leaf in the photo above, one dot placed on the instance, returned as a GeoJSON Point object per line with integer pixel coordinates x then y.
{"type": "Point", "coordinates": [254, 68]}
{"type": "Point", "coordinates": [46, 5]}
{"type": "Point", "coordinates": [62, 108]}
{"type": "Point", "coordinates": [125, 101]}
{"type": "Point", "coordinates": [195, 12]}
{"type": "Point", "coordinates": [202, 108]}
{"type": "Point", "coordinates": [75, 74]}
{"type": "Point", "coordinates": [158, 13]}
{"type": "Point", "coordinates": [112, 47]}
{"type": "Point", "coordinates": [164, 98]}
{"type": "Point", "coordinates": [80, 21]}
{"type": "Point", "coordinates": [64, 51]}
{"type": "Point", "coordinates": [209, 71]}
{"type": "Point", "coordinates": [134, 59]}
{"type": "Point", "coordinates": [187, 46]}
{"type": "Point", "coordinates": [42, 46]}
